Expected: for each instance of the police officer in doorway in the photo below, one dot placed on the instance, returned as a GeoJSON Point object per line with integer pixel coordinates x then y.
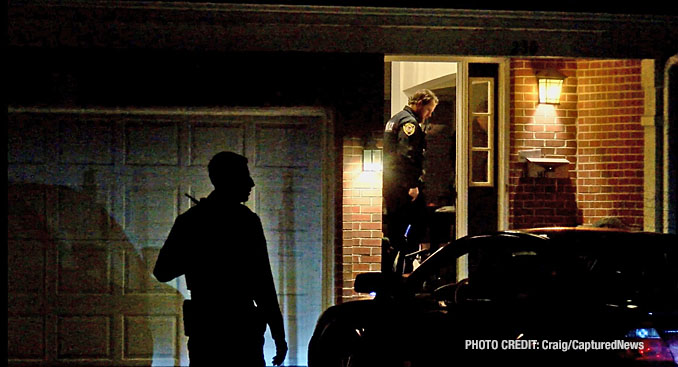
{"type": "Point", "coordinates": [404, 145]}
{"type": "Point", "coordinates": [219, 245]}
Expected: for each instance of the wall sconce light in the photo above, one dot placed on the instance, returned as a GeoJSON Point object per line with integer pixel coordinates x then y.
{"type": "Point", "coordinates": [372, 160]}
{"type": "Point", "coordinates": [550, 84]}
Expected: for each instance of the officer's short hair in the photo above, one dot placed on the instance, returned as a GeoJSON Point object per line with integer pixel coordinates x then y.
{"type": "Point", "coordinates": [425, 96]}
{"type": "Point", "coordinates": [227, 166]}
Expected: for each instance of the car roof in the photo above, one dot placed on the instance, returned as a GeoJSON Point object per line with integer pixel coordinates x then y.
{"type": "Point", "coordinates": [591, 239]}
{"type": "Point", "coordinates": [601, 238]}
{"type": "Point", "coordinates": [592, 236]}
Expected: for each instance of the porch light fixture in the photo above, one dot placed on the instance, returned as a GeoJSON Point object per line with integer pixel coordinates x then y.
{"type": "Point", "coordinates": [372, 160]}
{"type": "Point", "coordinates": [550, 84]}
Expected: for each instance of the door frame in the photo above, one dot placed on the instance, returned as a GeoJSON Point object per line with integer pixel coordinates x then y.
{"type": "Point", "coordinates": [668, 213]}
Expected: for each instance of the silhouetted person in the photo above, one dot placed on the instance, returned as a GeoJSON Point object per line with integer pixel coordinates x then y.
{"type": "Point", "coordinates": [219, 245]}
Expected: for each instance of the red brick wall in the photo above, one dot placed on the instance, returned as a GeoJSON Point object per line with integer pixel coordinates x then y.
{"type": "Point", "coordinates": [596, 127]}
{"type": "Point", "coordinates": [610, 141]}
{"type": "Point", "coordinates": [361, 217]}
{"type": "Point", "coordinates": [535, 202]}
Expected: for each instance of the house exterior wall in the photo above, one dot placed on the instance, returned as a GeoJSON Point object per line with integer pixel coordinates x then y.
{"type": "Point", "coordinates": [597, 127]}
{"type": "Point", "coordinates": [239, 28]}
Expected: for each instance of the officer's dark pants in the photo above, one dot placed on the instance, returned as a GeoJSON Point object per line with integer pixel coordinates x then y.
{"type": "Point", "coordinates": [401, 213]}
{"type": "Point", "coordinates": [226, 337]}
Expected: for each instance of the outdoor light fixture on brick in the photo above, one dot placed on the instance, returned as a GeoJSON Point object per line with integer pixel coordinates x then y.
{"type": "Point", "coordinates": [372, 160]}
{"type": "Point", "coordinates": [550, 84]}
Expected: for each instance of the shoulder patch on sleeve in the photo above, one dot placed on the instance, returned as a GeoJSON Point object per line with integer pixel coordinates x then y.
{"type": "Point", "coordinates": [409, 128]}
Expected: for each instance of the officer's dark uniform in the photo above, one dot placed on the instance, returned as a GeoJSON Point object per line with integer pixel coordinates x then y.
{"type": "Point", "coordinates": [220, 246]}
{"type": "Point", "coordinates": [404, 145]}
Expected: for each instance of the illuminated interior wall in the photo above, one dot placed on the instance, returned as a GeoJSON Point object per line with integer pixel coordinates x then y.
{"type": "Point", "coordinates": [361, 217]}
{"type": "Point", "coordinates": [597, 127]}
{"type": "Point", "coordinates": [411, 75]}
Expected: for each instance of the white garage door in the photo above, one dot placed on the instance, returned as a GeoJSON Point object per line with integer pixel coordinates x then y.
{"type": "Point", "coordinates": [91, 198]}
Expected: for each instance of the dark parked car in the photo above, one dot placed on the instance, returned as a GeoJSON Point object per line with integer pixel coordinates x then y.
{"type": "Point", "coordinates": [551, 296]}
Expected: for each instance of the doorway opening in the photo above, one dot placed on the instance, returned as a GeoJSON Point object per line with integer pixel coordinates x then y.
{"type": "Point", "coordinates": [461, 163]}
{"type": "Point", "coordinates": [462, 160]}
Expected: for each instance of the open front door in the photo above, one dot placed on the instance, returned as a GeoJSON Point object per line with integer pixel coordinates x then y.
{"type": "Point", "coordinates": [482, 148]}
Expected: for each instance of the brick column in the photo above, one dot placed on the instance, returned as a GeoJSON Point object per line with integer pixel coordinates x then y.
{"type": "Point", "coordinates": [361, 223]}
{"type": "Point", "coordinates": [610, 168]}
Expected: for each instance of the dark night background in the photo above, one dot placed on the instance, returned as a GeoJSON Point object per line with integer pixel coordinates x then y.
{"type": "Point", "coordinates": [620, 7]}
{"type": "Point", "coordinates": [149, 78]}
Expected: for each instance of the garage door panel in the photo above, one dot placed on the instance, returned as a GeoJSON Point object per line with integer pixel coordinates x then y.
{"type": "Point", "coordinates": [280, 189]}
{"type": "Point", "coordinates": [152, 142]}
{"type": "Point", "coordinates": [86, 141]}
{"type": "Point", "coordinates": [27, 139]}
{"type": "Point", "coordinates": [291, 244]}
{"type": "Point", "coordinates": [27, 211]}
{"type": "Point", "coordinates": [85, 337]}
{"type": "Point", "coordinates": [26, 267]}
{"type": "Point", "coordinates": [19, 330]}
{"type": "Point", "coordinates": [277, 219]}
{"type": "Point", "coordinates": [138, 276]}
{"type": "Point", "coordinates": [300, 264]}
{"type": "Point", "coordinates": [281, 206]}
{"type": "Point", "coordinates": [208, 139]}
{"type": "Point", "coordinates": [83, 211]}
{"type": "Point", "coordinates": [84, 268]}
{"type": "Point", "coordinates": [150, 210]}
{"type": "Point", "coordinates": [306, 224]}
{"type": "Point", "coordinates": [285, 145]}
{"type": "Point", "coordinates": [138, 343]}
